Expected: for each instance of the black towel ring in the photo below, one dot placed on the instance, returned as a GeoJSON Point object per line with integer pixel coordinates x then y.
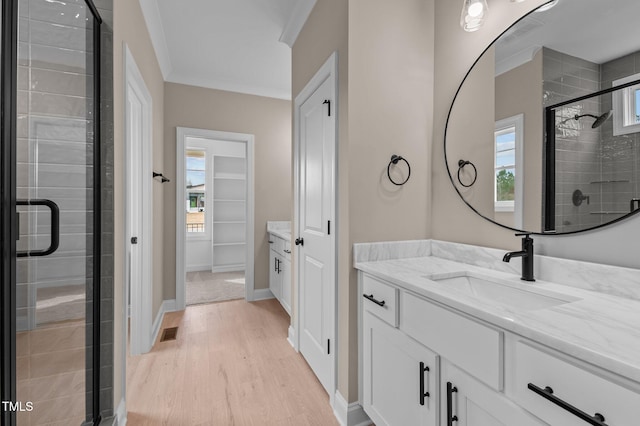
{"type": "Point", "coordinates": [394, 160]}
{"type": "Point", "coordinates": [461, 164]}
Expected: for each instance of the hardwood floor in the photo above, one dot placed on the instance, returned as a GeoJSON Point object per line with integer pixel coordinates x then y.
{"type": "Point", "coordinates": [230, 365]}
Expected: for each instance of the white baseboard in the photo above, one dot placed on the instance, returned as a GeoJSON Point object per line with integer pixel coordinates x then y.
{"type": "Point", "coordinates": [198, 268]}
{"type": "Point", "coordinates": [121, 413]}
{"type": "Point", "coordinates": [292, 337]}
{"type": "Point", "coordinates": [262, 294]}
{"type": "Point", "coordinates": [349, 414]}
{"type": "Point", "coordinates": [167, 306]}
{"type": "Point", "coordinates": [231, 268]}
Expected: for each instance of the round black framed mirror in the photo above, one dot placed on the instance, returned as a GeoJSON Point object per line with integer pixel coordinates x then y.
{"type": "Point", "coordinates": [543, 134]}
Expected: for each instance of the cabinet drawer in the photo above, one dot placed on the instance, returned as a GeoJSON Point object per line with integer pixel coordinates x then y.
{"type": "Point", "coordinates": [474, 347]}
{"type": "Point", "coordinates": [380, 299]}
{"type": "Point", "coordinates": [277, 244]}
{"type": "Point", "coordinates": [572, 385]}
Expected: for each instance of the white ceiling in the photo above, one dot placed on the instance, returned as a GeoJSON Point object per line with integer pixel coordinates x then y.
{"type": "Point", "coordinates": [235, 45]}
{"type": "Point", "coordinates": [595, 30]}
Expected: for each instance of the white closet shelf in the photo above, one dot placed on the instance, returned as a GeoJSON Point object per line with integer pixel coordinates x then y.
{"type": "Point", "coordinates": [230, 176]}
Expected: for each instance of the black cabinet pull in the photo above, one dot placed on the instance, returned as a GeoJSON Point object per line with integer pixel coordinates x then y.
{"type": "Point", "coordinates": [423, 394]}
{"type": "Point", "coordinates": [450, 391]}
{"type": "Point", "coordinates": [547, 393]}
{"type": "Point", "coordinates": [377, 302]}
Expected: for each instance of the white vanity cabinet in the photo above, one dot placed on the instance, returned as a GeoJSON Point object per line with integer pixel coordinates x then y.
{"type": "Point", "coordinates": [400, 385]}
{"type": "Point", "coordinates": [280, 270]}
{"type": "Point", "coordinates": [402, 333]}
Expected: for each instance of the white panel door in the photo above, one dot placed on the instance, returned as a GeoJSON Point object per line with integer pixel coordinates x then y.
{"type": "Point", "coordinates": [316, 252]}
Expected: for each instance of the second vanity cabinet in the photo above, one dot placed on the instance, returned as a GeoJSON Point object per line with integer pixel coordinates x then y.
{"type": "Point", "coordinates": [477, 374]}
{"type": "Point", "coordinates": [280, 270]}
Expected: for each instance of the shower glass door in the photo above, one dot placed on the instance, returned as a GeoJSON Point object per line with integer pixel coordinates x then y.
{"type": "Point", "coordinates": [54, 187]}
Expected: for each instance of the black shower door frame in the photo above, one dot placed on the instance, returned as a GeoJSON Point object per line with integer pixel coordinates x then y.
{"type": "Point", "coordinates": [8, 214]}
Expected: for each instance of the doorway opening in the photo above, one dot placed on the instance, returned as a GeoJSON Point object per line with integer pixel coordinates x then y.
{"type": "Point", "coordinates": [214, 226]}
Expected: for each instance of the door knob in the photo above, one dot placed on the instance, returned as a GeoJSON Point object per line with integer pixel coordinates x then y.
{"type": "Point", "coordinates": [299, 241]}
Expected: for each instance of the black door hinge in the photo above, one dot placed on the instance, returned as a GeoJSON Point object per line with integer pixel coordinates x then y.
{"type": "Point", "coordinates": [328, 346]}
{"type": "Point", "coordinates": [328, 227]}
{"type": "Point", "coordinates": [328, 102]}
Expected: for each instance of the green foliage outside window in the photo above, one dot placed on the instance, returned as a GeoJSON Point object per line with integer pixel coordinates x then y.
{"type": "Point", "coordinates": [505, 185]}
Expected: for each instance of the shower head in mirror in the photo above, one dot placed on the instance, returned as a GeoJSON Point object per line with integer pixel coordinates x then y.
{"type": "Point", "coordinates": [599, 119]}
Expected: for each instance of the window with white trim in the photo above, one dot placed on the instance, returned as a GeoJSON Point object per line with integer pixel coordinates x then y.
{"type": "Point", "coordinates": [507, 163]}
{"type": "Point", "coordinates": [196, 173]}
{"type": "Point", "coordinates": [626, 106]}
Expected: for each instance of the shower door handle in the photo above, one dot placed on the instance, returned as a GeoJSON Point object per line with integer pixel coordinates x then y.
{"type": "Point", "coordinates": [55, 227]}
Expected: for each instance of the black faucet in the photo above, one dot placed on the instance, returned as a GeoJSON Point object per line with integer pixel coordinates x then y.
{"type": "Point", "coordinates": [527, 257]}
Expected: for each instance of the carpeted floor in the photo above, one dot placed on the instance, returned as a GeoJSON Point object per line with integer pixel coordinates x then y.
{"type": "Point", "coordinates": [207, 287]}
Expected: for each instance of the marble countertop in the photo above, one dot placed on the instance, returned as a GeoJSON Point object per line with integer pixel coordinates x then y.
{"type": "Point", "coordinates": [280, 229]}
{"type": "Point", "coordinates": [601, 329]}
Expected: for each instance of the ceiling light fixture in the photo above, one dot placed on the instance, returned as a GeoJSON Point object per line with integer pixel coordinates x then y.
{"type": "Point", "coordinates": [473, 14]}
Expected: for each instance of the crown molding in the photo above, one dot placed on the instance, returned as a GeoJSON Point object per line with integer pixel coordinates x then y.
{"type": "Point", "coordinates": [296, 21]}
{"type": "Point", "coordinates": [153, 19]}
{"type": "Point", "coordinates": [212, 83]}
{"type": "Point", "coordinates": [517, 59]}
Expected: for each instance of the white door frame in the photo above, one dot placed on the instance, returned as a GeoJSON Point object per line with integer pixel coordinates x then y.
{"type": "Point", "coordinates": [329, 70]}
{"type": "Point", "coordinates": [142, 292]}
{"type": "Point", "coordinates": [181, 134]}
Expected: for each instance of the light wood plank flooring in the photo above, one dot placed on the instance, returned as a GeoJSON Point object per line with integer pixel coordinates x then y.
{"type": "Point", "coordinates": [230, 365]}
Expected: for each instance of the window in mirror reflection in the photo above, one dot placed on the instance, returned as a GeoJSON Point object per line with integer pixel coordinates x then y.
{"type": "Point", "coordinates": [196, 179]}
{"type": "Point", "coordinates": [508, 144]}
{"type": "Point", "coordinates": [627, 102]}
{"type": "Point", "coordinates": [637, 106]}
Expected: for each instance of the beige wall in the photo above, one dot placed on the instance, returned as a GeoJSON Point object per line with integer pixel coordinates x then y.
{"type": "Point", "coordinates": [130, 28]}
{"type": "Point", "coordinates": [483, 100]}
{"type": "Point", "coordinates": [455, 52]}
{"type": "Point", "coordinates": [470, 135]}
{"type": "Point", "coordinates": [390, 112]}
{"type": "Point", "coordinates": [269, 120]}
{"type": "Point", "coordinates": [513, 97]}
{"type": "Point", "coordinates": [385, 76]}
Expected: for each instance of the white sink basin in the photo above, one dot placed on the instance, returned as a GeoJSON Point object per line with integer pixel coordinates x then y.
{"type": "Point", "coordinates": [501, 292]}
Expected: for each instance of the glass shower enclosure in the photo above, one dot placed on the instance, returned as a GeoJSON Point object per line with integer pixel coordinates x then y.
{"type": "Point", "coordinates": [51, 212]}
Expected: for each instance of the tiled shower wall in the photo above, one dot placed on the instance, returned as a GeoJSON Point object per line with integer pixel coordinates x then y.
{"type": "Point", "coordinates": [105, 8]}
{"type": "Point", "coordinates": [620, 154]}
{"type": "Point", "coordinates": [604, 167]}
{"type": "Point", "coordinates": [55, 146]}
{"type": "Point", "coordinates": [577, 145]}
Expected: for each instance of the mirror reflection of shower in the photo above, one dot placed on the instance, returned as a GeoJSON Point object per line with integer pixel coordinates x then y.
{"type": "Point", "coordinates": [594, 139]}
